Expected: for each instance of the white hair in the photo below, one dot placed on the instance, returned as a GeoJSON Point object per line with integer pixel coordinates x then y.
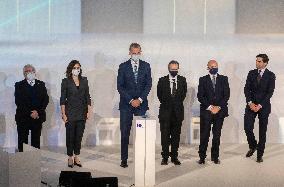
{"type": "Point", "coordinates": [28, 66]}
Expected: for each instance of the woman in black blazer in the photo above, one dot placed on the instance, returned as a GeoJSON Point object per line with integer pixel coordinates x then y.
{"type": "Point", "coordinates": [75, 104]}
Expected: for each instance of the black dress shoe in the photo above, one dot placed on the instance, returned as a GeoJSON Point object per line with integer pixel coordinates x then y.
{"type": "Point", "coordinates": [124, 164]}
{"type": "Point", "coordinates": [164, 161]}
{"type": "Point", "coordinates": [201, 161]}
{"type": "Point", "coordinates": [175, 161]}
{"type": "Point", "coordinates": [250, 152]}
{"type": "Point", "coordinates": [259, 159]}
{"type": "Point", "coordinates": [77, 164]}
{"type": "Point", "coordinates": [216, 161]}
{"type": "Point", "coordinates": [70, 163]}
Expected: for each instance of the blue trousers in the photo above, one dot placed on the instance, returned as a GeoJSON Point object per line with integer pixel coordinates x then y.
{"type": "Point", "coordinates": [126, 117]}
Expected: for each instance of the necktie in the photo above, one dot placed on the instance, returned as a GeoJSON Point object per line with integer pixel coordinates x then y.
{"type": "Point", "coordinates": [174, 91]}
{"type": "Point", "coordinates": [258, 76]}
{"type": "Point", "coordinates": [214, 81]}
{"type": "Point", "coordinates": [135, 72]}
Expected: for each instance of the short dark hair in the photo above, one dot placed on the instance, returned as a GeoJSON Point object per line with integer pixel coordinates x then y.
{"type": "Point", "coordinates": [134, 45]}
{"type": "Point", "coordinates": [173, 62]}
{"type": "Point", "coordinates": [70, 68]}
{"type": "Point", "coordinates": [264, 57]}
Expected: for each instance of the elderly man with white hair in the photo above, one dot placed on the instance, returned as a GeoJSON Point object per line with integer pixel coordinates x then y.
{"type": "Point", "coordinates": [31, 99]}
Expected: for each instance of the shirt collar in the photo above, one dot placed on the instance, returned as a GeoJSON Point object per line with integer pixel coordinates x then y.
{"type": "Point", "coordinates": [135, 63]}
{"type": "Point", "coordinates": [171, 78]}
{"type": "Point", "coordinates": [30, 82]}
{"type": "Point", "coordinates": [261, 70]}
{"type": "Point", "coordinates": [211, 75]}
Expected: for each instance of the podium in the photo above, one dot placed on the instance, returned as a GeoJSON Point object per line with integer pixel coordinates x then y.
{"type": "Point", "coordinates": [20, 169]}
{"type": "Point", "coordinates": [144, 151]}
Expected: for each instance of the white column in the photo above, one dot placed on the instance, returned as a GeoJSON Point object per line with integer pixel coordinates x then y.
{"type": "Point", "coordinates": [144, 151]}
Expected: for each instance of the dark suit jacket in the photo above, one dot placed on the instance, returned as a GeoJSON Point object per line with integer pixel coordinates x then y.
{"type": "Point", "coordinates": [167, 103]}
{"type": "Point", "coordinates": [262, 92]}
{"type": "Point", "coordinates": [76, 101]}
{"type": "Point", "coordinates": [127, 87]}
{"type": "Point", "coordinates": [23, 100]}
{"type": "Point", "coordinates": [207, 96]}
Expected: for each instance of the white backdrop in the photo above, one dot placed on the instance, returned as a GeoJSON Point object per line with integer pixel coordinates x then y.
{"type": "Point", "coordinates": [100, 56]}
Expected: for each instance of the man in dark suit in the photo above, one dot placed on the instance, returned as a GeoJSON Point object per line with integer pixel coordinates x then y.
{"type": "Point", "coordinates": [258, 90]}
{"type": "Point", "coordinates": [31, 99]}
{"type": "Point", "coordinates": [134, 83]}
{"type": "Point", "coordinates": [213, 95]}
{"type": "Point", "coordinates": [171, 92]}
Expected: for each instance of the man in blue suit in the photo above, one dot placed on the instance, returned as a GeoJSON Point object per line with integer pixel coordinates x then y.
{"type": "Point", "coordinates": [134, 83]}
{"type": "Point", "coordinates": [258, 90]}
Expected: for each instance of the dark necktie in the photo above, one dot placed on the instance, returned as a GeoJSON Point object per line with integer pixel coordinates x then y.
{"type": "Point", "coordinates": [214, 81]}
{"type": "Point", "coordinates": [258, 76]}
{"type": "Point", "coordinates": [174, 91]}
{"type": "Point", "coordinates": [135, 72]}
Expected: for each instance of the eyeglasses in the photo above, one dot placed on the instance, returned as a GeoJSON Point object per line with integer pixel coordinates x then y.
{"type": "Point", "coordinates": [76, 67]}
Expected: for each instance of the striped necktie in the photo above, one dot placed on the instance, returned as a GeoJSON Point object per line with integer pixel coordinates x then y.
{"type": "Point", "coordinates": [135, 72]}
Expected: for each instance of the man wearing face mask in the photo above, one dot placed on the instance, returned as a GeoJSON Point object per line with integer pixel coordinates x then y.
{"type": "Point", "coordinates": [258, 90]}
{"type": "Point", "coordinates": [213, 95]}
{"type": "Point", "coordinates": [31, 100]}
{"type": "Point", "coordinates": [134, 83]}
{"type": "Point", "coordinates": [171, 91]}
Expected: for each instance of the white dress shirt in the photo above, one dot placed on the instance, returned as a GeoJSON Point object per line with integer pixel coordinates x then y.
{"type": "Point", "coordinates": [211, 77]}
{"type": "Point", "coordinates": [137, 64]}
{"type": "Point", "coordinates": [172, 80]}
{"type": "Point", "coordinates": [32, 83]}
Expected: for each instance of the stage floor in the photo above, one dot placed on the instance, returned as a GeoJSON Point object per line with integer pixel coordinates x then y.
{"type": "Point", "coordinates": [235, 169]}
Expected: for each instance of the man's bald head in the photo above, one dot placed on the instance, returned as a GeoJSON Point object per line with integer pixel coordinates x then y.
{"type": "Point", "coordinates": [212, 64]}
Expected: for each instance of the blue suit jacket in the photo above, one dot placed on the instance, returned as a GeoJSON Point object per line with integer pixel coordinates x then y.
{"type": "Point", "coordinates": [262, 92]}
{"type": "Point", "coordinates": [127, 87]}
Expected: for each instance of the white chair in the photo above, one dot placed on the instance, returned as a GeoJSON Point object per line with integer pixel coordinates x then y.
{"type": "Point", "coordinates": [195, 130]}
{"type": "Point", "coordinates": [111, 127]}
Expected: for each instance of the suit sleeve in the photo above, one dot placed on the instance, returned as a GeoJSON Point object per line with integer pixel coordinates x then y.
{"type": "Point", "coordinates": [88, 97]}
{"type": "Point", "coordinates": [184, 89]}
{"type": "Point", "coordinates": [160, 90]}
{"type": "Point", "coordinates": [226, 93]}
{"type": "Point", "coordinates": [201, 94]}
{"type": "Point", "coordinates": [148, 86]}
{"type": "Point", "coordinates": [63, 96]}
{"type": "Point", "coordinates": [270, 90]}
{"type": "Point", "coordinates": [45, 98]}
{"type": "Point", "coordinates": [120, 85]}
{"type": "Point", "coordinates": [247, 88]}
{"type": "Point", "coordinates": [19, 101]}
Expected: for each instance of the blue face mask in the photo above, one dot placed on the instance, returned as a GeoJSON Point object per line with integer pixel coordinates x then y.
{"type": "Point", "coordinates": [213, 71]}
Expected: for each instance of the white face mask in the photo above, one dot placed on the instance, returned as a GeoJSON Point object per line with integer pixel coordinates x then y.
{"type": "Point", "coordinates": [31, 76]}
{"type": "Point", "coordinates": [76, 72]}
{"type": "Point", "coordinates": [135, 58]}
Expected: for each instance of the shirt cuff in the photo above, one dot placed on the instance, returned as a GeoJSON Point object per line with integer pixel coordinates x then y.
{"type": "Point", "coordinates": [141, 100]}
{"type": "Point", "coordinates": [250, 102]}
{"type": "Point", "coordinates": [209, 108]}
{"type": "Point", "coordinates": [259, 105]}
{"type": "Point", "coordinates": [131, 101]}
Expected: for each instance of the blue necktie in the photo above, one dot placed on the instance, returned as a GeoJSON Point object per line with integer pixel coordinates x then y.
{"type": "Point", "coordinates": [135, 72]}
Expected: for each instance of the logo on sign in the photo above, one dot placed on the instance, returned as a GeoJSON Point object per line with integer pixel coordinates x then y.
{"type": "Point", "coordinates": [139, 125]}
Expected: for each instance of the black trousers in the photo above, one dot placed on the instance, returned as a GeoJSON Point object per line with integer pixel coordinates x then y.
{"type": "Point", "coordinates": [170, 136]}
{"type": "Point", "coordinates": [74, 134]}
{"type": "Point", "coordinates": [23, 133]}
{"type": "Point", "coordinates": [206, 121]}
{"type": "Point", "coordinates": [249, 120]}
